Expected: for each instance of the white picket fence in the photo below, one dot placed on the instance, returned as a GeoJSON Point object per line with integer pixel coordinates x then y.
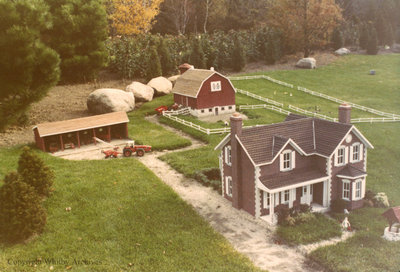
{"type": "Point", "coordinates": [312, 113]}
{"type": "Point", "coordinates": [264, 106]}
{"type": "Point", "coordinates": [340, 101]}
{"type": "Point", "coordinates": [264, 99]}
{"type": "Point", "coordinates": [264, 77]}
{"type": "Point", "coordinates": [183, 111]}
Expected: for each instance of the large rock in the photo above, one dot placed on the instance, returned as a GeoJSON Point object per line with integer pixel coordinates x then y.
{"type": "Point", "coordinates": [342, 51]}
{"type": "Point", "coordinates": [110, 100]}
{"type": "Point", "coordinates": [161, 85]}
{"type": "Point", "coordinates": [141, 92]}
{"type": "Point", "coordinates": [173, 79]}
{"type": "Point", "coordinates": [307, 63]}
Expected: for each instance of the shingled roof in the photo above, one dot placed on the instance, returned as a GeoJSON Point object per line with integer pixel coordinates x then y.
{"type": "Point", "coordinates": [351, 172]}
{"type": "Point", "coordinates": [189, 83]}
{"type": "Point", "coordinates": [312, 135]}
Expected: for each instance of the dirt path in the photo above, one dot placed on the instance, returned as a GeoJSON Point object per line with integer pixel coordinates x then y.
{"type": "Point", "coordinates": [252, 237]}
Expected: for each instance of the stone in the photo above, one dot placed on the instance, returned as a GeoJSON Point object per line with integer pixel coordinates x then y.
{"type": "Point", "coordinates": [141, 92]}
{"type": "Point", "coordinates": [173, 79]}
{"type": "Point", "coordinates": [161, 85]}
{"type": "Point", "coordinates": [307, 63]}
{"type": "Point", "coordinates": [110, 100]}
{"type": "Point", "coordinates": [342, 51]}
{"type": "Point", "coordinates": [381, 200]}
{"type": "Point", "coordinates": [396, 48]}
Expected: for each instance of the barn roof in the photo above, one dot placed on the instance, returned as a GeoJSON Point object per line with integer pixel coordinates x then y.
{"type": "Point", "coordinates": [190, 82]}
{"type": "Point", "coordinates": [72, 125]}
{"type": "Point", "coordinates": [393, 214]}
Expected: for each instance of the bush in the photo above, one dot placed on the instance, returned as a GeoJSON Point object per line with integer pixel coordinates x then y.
{"type": "Point", "coordinates": [34, 172]}
{"type": "Point", "coordinates": [306, 217]}
{"type": "Point", "coordinates": [196, 57]}
{"type": "Point", "coordinates": [337, 39]}
{"type": "Point", "coordinates": [283, 215]}
{"type": "Point", "coordinates": [364, 37]}
{"type": "Point", "coordinates": [381, 200]}
{"type": "Point", "coordinates": [209, 177]}
{"type": "Point", "coordinates": [338, 205]}
{"type": "Point", "coordinates": [154, 65]}
{"type": "Point", "coordinates": [372, 47]}
{"type": "Point", "coordinates": [21, 213]}
{"type": "Point", "coordinates": [238, 56]}
{"type": "Point", "coordinates": [167, 65]}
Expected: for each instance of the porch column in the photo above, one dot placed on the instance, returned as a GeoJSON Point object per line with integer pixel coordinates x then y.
{"type": "Point", "coordinates": [325, 194]}
{"type": "Point", "coordinates": [308, 195]}
{"type": "Point", "coordinates": [271, 207]}
{"type": "Point", "coordinates": [94, 135]}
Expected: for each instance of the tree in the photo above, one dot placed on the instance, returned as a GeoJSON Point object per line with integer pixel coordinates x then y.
{"type": "Point", "coordinates": [372, 47]}
{"type": "Point", "coordinates": [337, 39]}
{"type": "Point", "coordinates": [28, 68]}
{"type": "Point", "coordinates": [21, 213]}
{"type": "Point", "coordinates": [196, 57]}
{"type": "Point", "coordinates": [364, 37]}
{"type": "Point", "coordinates": [167, 65]}
{"type": "Point", "coordinates": [305, 24]}
{"type": "Point", "coordinates": [78, 35]}
{"type": "Point", "coordinates": [34, 172]}
{"type": "Point", "coordinates": [133, 16]}
{"type": "Point", "coordinates": [238, 56]}
{"type": "Point", "coordinates": [154, 64]}
{"type": "Point", "coordinates": [178, 14]}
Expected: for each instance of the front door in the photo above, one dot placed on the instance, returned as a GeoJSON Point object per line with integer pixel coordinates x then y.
{"type": "Point", "coordinates": [306, 195]}
{"type": "Point", "coordinates": [216, 111]}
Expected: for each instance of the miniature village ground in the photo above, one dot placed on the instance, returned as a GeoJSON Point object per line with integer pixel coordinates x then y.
{"type": "Point", "coordinates": [117, 228]}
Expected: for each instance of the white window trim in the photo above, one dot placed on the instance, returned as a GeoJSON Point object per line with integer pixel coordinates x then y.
{"type": "Point", "coordinates": [215, 85]}
{"type": "Point", "coordinates": [292, 160]}
{"type": "Point", "coordinates": [345, 156]}
{"type": "Point", "coordinates": [346, 181]}
{"type": "Point", "coordinates": [266, 196]}
{"type": "Point", "coordinates": [228, 155]}
{"type": "Point", "coordinates": [360, 152]}
{"type": "Point", "coordinates": [283, 197]}
{"type": "Point", "coordinates": [361, 182]}
{"type": "Point", "coordinates": [227, 187]}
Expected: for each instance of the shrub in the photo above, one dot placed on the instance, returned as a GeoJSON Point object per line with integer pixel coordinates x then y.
{"type": "Point", "coordinates": [337, 39]}
{"type": "Point", "coordinates": [209, 177]}
{"type": "Point", "coordinates": [196, 57]}
{"type": "Point", "coordinates": [381, 200]}
{"type": "Point", "coordinates": [154, 65]}
{"type": "Point", "coordinates": [304, 208]}
{"type": "Point", "coordinates": [21, 213]}
{"type": "Point", "coordinates": [283, 215]}
{"type": "Point", "coordinates": [338, 205]}
{"type": "Point", "coordinates": [10, 177]}
{"type": "Point", "coordinates": [34, 172]}
{"type": "Point", "coordinates": [238, 57]}
{"type": "Point", "coordinates": [372, 47]}
{"type": "Point", "coordinates": [364, 37]}
{"type": "Point", "coordinates": [304, 217]}
{"type": "Point", "coordinates": [167, 65]}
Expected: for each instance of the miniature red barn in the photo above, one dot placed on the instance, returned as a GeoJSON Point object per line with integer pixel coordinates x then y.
{"type": "Point", "coordinates": [302, 160]}
{"type": "Point", "coordinates": [205, 92]}
{"type": "Point", "coordinates": [73, 133]}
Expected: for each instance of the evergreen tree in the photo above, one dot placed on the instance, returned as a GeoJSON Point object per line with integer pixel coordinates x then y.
{"type": "Point", "coordinates": [196, 57]}
{"type": "Point", "coordinates": [28, 68]}
{"type": "Point", "coordinates": [153, 64]}
{"type": "Point", "coordinates": [364, 37]}
{"type": "Point", "coordinates": [272, 51]}
{"type": "Point", "coordinates": [78, 35]}
{"type": "Point", "coordinates": [238, 56]}
{"type": "Point", "coordinates": [372, 47]}
{"type": "Point", "coordinates": [34, 172]}
{"type": "Point", "coordinates": [337, 39]}
{"type": "Point", "coordinates": [21, 213]}
{"type": "Point", "coordinates": [167, 65]}
{"type": "Point", "coordinates": [210, 52]}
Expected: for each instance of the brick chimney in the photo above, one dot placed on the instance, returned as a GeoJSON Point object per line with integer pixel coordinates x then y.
{"type": "Point", "coordinates": [184, 67]}
{"type": "Point", "coordinates": [236, 129]}
{"type": "Point", "coordinates": [345, 113]}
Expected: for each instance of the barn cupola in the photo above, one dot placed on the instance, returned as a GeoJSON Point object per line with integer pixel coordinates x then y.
{"type": "Point", "coordinates": [236, 130]}
{"type": "Point", "coordinates": [345, 113]}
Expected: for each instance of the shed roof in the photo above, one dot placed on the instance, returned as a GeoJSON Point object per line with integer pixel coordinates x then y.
{"type": "Point", "coordinates": [393, 214]}
{"type": "Point", "coordinates": [72, 125]}
{"type": "Point", "coordinates": [190, 82]}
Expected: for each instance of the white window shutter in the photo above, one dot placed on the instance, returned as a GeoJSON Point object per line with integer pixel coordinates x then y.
{"type": "Point", "coordinates": [226, 154]}
{"type": "Point", "coordinates": [363, 188]}
{"type": "Point", "coordinates": [361, 151]}
{"type": "Point", "coordinates": [336, 158]}
{"type": "Point", "coordinates": [351, 154]}
{"type": "Point", "coordinates": [293, 159]}
{"type": "Point", "coordinates": [353, 190]}
{"type": "Point", "coordinates": [346, 155]}
{"type": "Point", "coordinates": [281, 162]}
{"type": "Point", "coordinates": [226, 185]}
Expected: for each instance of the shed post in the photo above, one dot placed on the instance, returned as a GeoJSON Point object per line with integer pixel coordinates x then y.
{"type": "Point", "coordinates": [94, 135]}
{"type": "Point", "coordinates": [79, 140]}
{"type": "Point", "coordinates": [126, 130]}
{"type": "Point", "coordinates": [109, 133]}
{"type": "Point", "coordinates": [62, 143]}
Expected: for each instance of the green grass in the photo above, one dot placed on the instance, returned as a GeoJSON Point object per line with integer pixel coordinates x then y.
{"type": "Point", "coordinates": [152, 134]}
{"type": "Point", "coordinates": [121, 213]}
{"type": "Point", "coordinates": [318, 228]}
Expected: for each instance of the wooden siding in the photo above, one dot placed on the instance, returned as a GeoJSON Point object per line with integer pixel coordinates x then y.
{"type": "Point", "coordinates": [208, 99]}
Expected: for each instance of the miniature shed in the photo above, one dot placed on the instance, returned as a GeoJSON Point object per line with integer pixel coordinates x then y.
{"type": "Point", "coordinates": [73, 133]}
{"type": "Point", "coordinates": [205, 92]}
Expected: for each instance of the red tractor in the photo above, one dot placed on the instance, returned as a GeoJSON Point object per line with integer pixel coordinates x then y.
{"type": "Point", "coordinates": [132, 148]}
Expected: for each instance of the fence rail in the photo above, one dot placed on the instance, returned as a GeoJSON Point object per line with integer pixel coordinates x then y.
{"type": "Point", "coordinates": [264, 106]}
{"type": "Point", "coordinates": [183, 111]}
{"type": "Point", "coordinates": [312, 113]}
{"type": "Point", "coordinates": [264, 99]}
{"type": "Point", "coordinates": [264, 77]}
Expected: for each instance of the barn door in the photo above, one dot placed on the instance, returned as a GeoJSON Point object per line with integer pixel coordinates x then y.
{"type": "Point", "coordinates": [216, 111]}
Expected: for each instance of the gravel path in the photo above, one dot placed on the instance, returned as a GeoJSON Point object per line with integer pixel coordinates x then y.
{"type": "Point", "coordinates": [252, 237]}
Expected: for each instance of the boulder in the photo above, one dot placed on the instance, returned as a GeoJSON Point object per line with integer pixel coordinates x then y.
{"type": "Point", "coordinates": [307, 63]}
{"type": "Point", "coordinates": [161, 85]}
{"type": "Point", "coordinates": [141, 92]}
{"type": "Point", "coordinates": [110, 100]}
{"type": "Point", "coordinates": [342, 51]}
{"type": "Point", "coordinates": [173, 79]}
{"type": "Point", "coordinates": [381, 200]}
{"type": "Point", "coordinates": [396, 48]}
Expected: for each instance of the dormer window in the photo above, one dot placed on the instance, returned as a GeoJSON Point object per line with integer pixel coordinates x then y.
{"type": "Point", "coordinates": [216, 86]}
{"type": "Point", "coordinates": [356, 151]}
{"type": "Point", "coordinates": [287, 160]}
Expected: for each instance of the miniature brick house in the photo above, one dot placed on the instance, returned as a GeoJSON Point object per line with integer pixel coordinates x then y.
{"type": "Point", "coordinates": [299, 161]}
{"type": "Point", "coordinates": [204, 92]}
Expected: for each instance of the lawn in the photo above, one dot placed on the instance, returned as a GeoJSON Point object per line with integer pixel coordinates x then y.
{"type": "Point", "coordinates": [347, 79]}
{"type": "Point", "coordinates": [121, 213]}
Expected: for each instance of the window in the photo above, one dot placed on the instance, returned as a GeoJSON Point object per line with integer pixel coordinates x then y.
{"type": "Point", "coordinates": [216, 86]}
{"type": "Point", "coordinates": [285, 197]}
{"type": "Point", "coordinates": [287, 160]}
{"type": "Point", "coordinates": [266, 200]}
{"type": "Point", "coordinates": [229, 186]}
{"type": "Point", "coordinates": [304, 191]}
{"type": "Point", "coordinates": [228, 155]}
{"type": "Point", "coordinates": [202, 111]}
{"type": "Point", "coordinates": [210, 110]}
{"type": "Point", "coordinates": [346, 190]}
{"type": "Point", "coordinates": [340, 156]}
{"type": "Point", "coordinates": [222, 108]}
{"type": "Point", "coordinates": [230, 107]}
{"type": "Point", "coordinates": [356, 152]}
{"type": "Point", "coordinates": [358, 189]}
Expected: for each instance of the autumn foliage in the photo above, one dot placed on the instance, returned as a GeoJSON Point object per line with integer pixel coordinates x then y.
{"type": "Point", "coordinates": [305, 24]}
{"type": "Point", "coordinates": [134, 16]}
